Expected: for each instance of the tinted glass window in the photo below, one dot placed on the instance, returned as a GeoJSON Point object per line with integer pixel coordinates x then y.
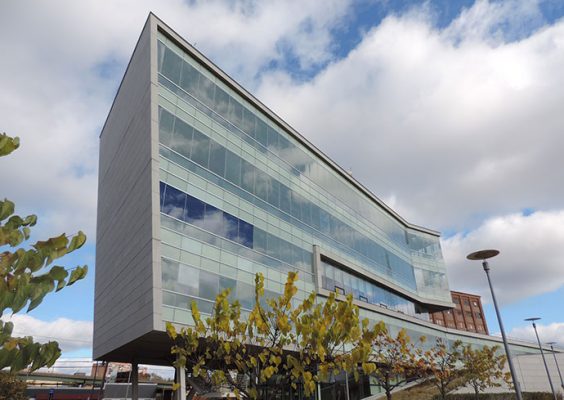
{"type": "Point", "coordinates": [169, 274]}
{"type": "Point", "coordinates": [206, 90]}
{"type": "Point", "coordinates": [246, 234]}
{"type": "Point", "coordinates": [188, 277]}
{"type": "Point", "coordinates": [166, 121]}
{"type": "Point", "coordinates": [194, 209]}
{"type": "Point", "coordinates": [189, 78]}
{"type": "Point", "coordinates": [181, 141]}
{"type": "Point", "coordinates": [217, 158]}
{"type": "Point", "coordinates": [171, 66]}
{"type": "Point", "coordinates": [233, 168]}
{"type": "Point", "coordinates": [174, 202]}
{"type": "Point", "coordinates": [200, 149]}
{"type": "Point", "coordinates": [209, 285]}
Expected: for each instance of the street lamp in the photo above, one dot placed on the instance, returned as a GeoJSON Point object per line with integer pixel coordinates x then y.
{"type": "Point", "coordinates": [551, 344]}
{"type": "Point", "coordinates": [483, 255]}
{"type": "Point", "coordinates": [533, 319]}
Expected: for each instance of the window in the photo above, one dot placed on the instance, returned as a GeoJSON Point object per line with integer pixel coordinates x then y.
{"type": "Point", "coordinates": [478, 315]}
{"type": "Point", "coordinates": [339, 290]}
{"type": "Point", "coordinates": [475, 303]}
{"type": "Point", "coordinates": [466, 302]}
{"type": "Point", "coordinates": [468, 314]}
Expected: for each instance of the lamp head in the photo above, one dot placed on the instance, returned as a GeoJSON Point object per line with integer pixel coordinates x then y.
{"type": "Point", "coordinates": [482, 254]}
{"type": "Point", "coordinates": [532, 319]}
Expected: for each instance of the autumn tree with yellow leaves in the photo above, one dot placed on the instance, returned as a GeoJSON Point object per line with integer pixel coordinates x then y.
{"type": "Point", "coordinates": [276, 347]}
{"type": "Point", "coordinates": [392, 360]}
{"type": "Point", "coordinates": [483, 368]}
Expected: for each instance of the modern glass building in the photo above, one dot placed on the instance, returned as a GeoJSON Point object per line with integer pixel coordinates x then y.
{"type": "Point", "coordinates": [202, 186]}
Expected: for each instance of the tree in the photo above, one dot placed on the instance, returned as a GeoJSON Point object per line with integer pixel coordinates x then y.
{"type": "Point", "coordinates": [483, 368]}
{"type": "Point", "coordinates": [27, 275]}
{"type": "Point", "coordinates": [443, 366]}
{"type": "Point", "coordinates": [277, 347]}
{"type": "Point", "coordinates": [391, 361]}
{"type": "Point", "coordinates": [11, 388]}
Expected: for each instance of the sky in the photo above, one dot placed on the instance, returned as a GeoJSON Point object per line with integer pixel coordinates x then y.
{"type": "Point", "coordinates": [450, 111]}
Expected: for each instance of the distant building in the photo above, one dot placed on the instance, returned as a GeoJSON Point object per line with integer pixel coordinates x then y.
{"type": "Point", "coordinates": [467, 315]}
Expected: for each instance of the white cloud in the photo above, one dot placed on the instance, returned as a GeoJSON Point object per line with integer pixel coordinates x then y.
{"type": "Point", "coordinates": [454, 129]}
{"type": "Point", "coordinates": [71, 334]}
{"type": "Point", "coordinates": [547, 333]}
{"type": "Point", "coordinates": [530, 262]}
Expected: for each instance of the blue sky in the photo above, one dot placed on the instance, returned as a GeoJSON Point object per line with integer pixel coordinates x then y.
{"type": "Point", "coordinates": [449, 111]}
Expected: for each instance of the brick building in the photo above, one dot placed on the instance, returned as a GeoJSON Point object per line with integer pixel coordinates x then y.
{"type": "Point", "coordinates": [468, 314]}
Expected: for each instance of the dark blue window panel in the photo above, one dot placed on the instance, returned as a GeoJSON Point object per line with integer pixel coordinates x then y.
{"type": "Point", "coordinates": [246, 234]}
{"type": "Point", "coordinates": [174, 202]}
{"type": "Point", "coordinates": [231, 225]}
{"type": "Point", "coordinates": [162, 187]}
{"type": "Point", "coordinates": [194, 209]}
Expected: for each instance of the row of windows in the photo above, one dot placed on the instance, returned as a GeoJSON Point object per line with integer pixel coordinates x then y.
{"type": "Point", "coordinates": [189, 209]}
{"type": "Point", "coordinates": [336, 279]}
{"type": "Point", "coordinates": [188, 282]}
{"type": "Point", "coordinates": [238, 119]}
{"type": "Point", "coordinates": [208, 154]}
{"type": "Point", "coordinates": [192, 231]}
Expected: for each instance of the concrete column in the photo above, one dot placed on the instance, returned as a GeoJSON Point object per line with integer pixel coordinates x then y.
{"type": "Point", "coordinates": [181, 380]}
{"type": "Point", "coordinates": [134, 381]}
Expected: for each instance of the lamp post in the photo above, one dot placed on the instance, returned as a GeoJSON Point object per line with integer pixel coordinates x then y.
{"type": "Point", "coordinates": [551, 344]}
{"type": "Point", "coordinates": [483, 255]}
{"type": "Point", "coordinates": [533, 319]}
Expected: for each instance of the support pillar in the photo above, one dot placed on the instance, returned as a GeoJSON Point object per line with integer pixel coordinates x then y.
{"type": "Point", "coordinates": [134, 381]}
{"type": "Point", "coordinates": [181, 380]}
